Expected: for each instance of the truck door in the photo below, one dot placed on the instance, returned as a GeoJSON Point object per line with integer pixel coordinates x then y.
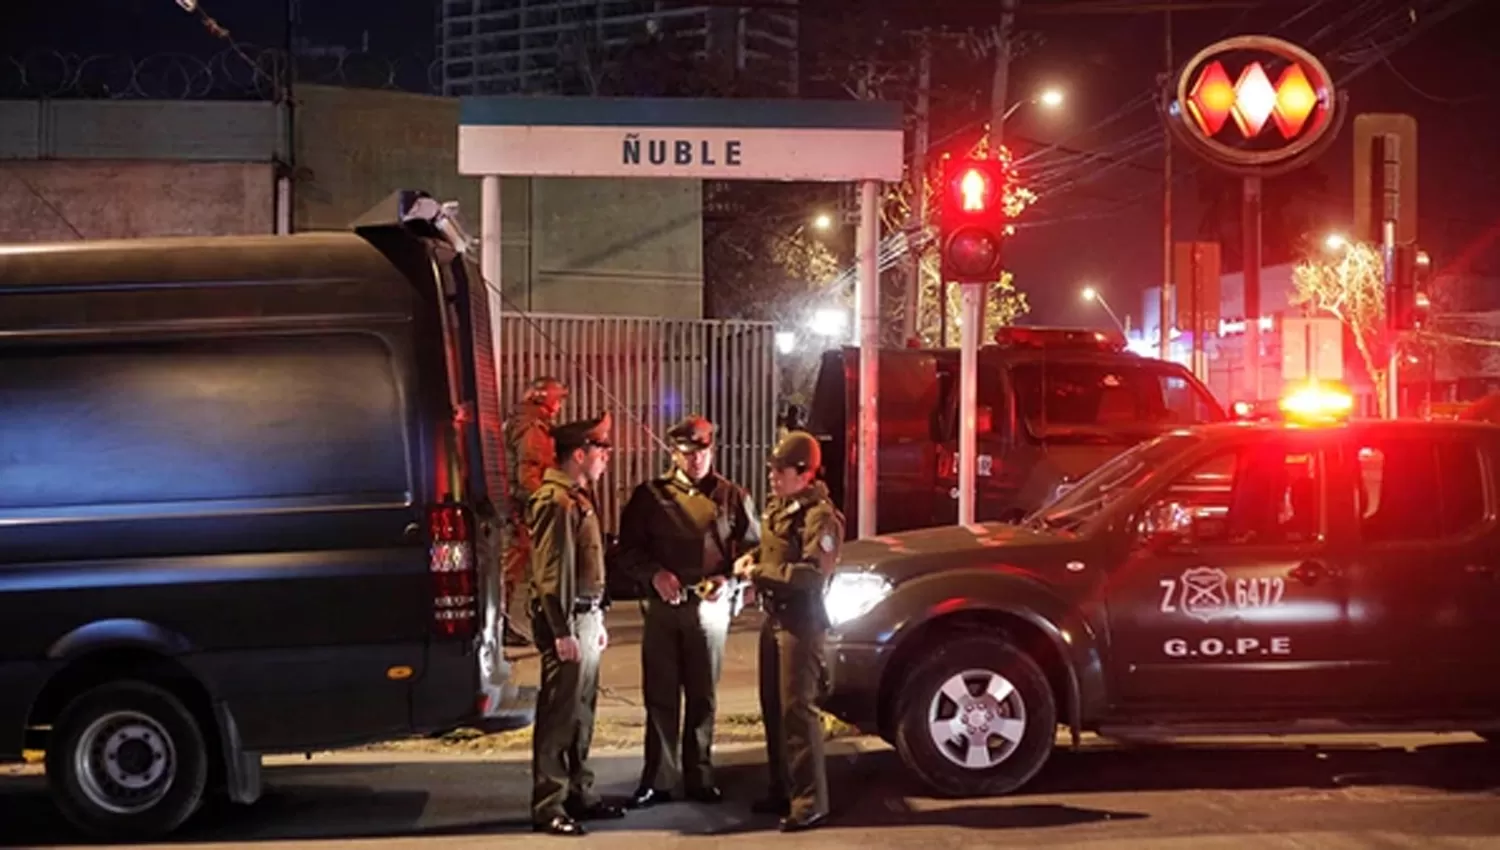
{"type": "Point", "coordinates": [1231, 599]}
{"type": "Point", "coordinates": [1426, 576]}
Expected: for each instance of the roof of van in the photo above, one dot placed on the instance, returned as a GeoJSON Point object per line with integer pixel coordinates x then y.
{"type": "Point", "coordinates": [204, 259]}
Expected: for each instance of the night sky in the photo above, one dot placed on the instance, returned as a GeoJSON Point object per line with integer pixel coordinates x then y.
{"type": "Point", "coordinates": [1101, 223]}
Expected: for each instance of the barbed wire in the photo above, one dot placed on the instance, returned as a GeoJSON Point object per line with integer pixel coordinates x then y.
{"type": "Point", "coordinates": [244, 74]}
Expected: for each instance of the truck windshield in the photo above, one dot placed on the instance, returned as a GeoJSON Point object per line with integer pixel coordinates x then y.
{"type": "Point", "coordinates": [1100, 488]}
{"type": "Point", "coordinates": [1106, 401]}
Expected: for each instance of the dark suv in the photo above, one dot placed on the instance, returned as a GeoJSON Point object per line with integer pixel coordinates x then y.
{"type": "Point", "coordinates": [1232, 578]}
{"type": "Point", "coordinates": [1054, 403]}
{"type": "Point", "coordinates": [243, 490]}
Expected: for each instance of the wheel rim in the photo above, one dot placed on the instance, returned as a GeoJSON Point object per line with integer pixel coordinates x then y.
{"type": "Point", "coordinates": [977, 719]}
{"type": "Point", "coordinates": [125, 762]}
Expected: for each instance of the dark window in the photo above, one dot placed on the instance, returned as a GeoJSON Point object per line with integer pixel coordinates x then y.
{"type": "Point", "coordinates": [1414, 489]}
{"type": "Point", "coordinates": [1251, 496]}
{"type": "Point", "coordinates": [1063, 396]}
{"type": "Point", "coordinates": [190, 421]}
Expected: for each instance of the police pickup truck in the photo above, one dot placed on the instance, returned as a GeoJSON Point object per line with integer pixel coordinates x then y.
{"type": "Point", "coordinates": [1053, 404]}
{"type": "Point", "coordinates": [1235, 578]}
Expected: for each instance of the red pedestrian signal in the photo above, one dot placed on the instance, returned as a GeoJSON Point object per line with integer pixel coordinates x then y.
{"type": "Point", "coordinates": [972, 220]}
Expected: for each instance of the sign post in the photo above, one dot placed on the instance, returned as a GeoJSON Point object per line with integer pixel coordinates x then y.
{"type": "Point", "coordinates": [1255, 106]}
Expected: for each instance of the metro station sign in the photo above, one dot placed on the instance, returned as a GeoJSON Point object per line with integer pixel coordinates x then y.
{"type": "Point", "coordinates": [1254, 105]}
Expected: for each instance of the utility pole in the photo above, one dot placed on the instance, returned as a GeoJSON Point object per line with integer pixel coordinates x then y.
{"type": "Point", "coordinates": [999, 93]}
{"type": "Point", "coordinates": [1165, 306]}
{"type": "Point", "coordinates": [918, 227]}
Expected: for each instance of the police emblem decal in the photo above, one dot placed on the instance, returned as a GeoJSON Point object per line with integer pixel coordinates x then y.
{"type": "Point", "coordinates": [1205, 592]}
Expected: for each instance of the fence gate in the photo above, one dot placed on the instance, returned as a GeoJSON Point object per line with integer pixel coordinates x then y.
{"type": "Point", "coordinates": [649, 373]}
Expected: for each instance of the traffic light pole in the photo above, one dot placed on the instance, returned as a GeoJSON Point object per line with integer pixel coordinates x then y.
{"type": "Point", "coordinates": [867, 236]}
{"type": "Point", "coordinates": [968, 400]}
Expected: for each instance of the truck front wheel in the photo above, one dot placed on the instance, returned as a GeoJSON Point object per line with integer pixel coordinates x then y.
{"type": "Point", "coordinates": [978, 718]}
{"type": "Point", "coordinates": [127, 760]}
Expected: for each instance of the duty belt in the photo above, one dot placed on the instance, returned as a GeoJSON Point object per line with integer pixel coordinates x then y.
{"type": "Point", "coordinates": [588, 605]}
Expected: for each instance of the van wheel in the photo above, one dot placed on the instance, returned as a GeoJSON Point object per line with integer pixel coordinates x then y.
{"type": "Point", "coordinates": [978, 719]}
{"type": "Point", "coordinates": [126, 760]}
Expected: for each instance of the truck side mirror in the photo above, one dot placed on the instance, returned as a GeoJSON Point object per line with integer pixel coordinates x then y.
{"type": "Point", "coordinates": [1164, 525]}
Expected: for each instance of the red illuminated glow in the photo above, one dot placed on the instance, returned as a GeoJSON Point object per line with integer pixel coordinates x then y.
{"type": "Point", "coordinates": [1252, 100]}
{"type": "Point", "coordinates": [974, 188]}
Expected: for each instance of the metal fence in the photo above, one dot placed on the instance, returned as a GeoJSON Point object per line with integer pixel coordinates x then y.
{"type": "Point", "coordinates": [649, 373]}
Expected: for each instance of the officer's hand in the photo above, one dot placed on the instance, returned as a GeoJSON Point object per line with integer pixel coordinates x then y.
{"type": "Point", "coordinates": [603, 638]}
{"type": "Point", "coordinates": [568, 649]}
{"type": "Point", "coordinates": [667, 587]}
{"type": "Point", "coordinates": [744, 568]}
{"type": "Point", "coordinates": [717, 590]}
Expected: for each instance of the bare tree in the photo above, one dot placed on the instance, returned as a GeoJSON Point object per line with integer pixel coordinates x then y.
{"type": "Point", "coordinates": [1351, 288]}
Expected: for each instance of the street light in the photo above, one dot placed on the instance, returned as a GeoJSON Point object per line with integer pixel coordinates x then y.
{"type": "Point", "coordinates": [1050, 98]}
{"type": "Point", "coordinates": [1091, 294]}
{"type": "Point", "coordinates": [1336, 241]}
{"type": "Point", "coordinates": [822, 221]}
{"type": "Point", "coordinates": [829, 322]}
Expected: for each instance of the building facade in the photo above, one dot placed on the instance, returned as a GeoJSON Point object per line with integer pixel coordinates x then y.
{"type": "Point", "coordinates": [520, 46]}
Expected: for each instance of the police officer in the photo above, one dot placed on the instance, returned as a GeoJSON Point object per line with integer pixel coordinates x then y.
{"type": "Point", "coordinates": [802, 534]}
{"type": "Point", "coordinates": [529, 452]}
{"type": "Point", "coordinates": [567, 615]}
{"type": "Point", "coordinates": [679, 535]}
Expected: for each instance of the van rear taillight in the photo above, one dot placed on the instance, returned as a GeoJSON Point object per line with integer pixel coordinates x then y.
{"type": "Point", "coordinates": [455, 601]}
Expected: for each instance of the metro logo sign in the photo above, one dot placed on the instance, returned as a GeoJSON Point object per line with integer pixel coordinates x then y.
{"type": "Point", "coordinates": [1254, 104]}
{"type": "Point", "coordinates": [1252, 100]}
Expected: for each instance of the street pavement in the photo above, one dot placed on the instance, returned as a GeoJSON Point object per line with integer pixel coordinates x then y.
{"type": "Point", "coordinates": [1327, 792]}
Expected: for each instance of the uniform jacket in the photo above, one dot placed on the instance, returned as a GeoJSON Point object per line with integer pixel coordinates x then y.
{"type": "Point", "coordinates": [800, 542]}
{"type": "Point", "coordinates": [692, 530]}
{"type": "Point", "coordinates": [529, 449]}
{"type": "Point", "coordinates": [567, 558]}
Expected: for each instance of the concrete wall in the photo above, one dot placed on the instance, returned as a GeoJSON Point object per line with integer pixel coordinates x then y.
{"type": "Point", "coordinates": [136, 168]}
{"type": "Point", "coordinates": [46, 200]}
{"type": "Point", "coordinates": [568, 245]}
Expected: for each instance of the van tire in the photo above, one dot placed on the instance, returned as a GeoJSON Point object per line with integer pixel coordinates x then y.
{"type": "Point", "coordinates": [126, 760]}
{"type": "Point", "coordinates": [1029, 699]}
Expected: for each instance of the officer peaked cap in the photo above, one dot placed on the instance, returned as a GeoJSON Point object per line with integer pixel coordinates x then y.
{"type": "Point", "coordinates": [582, 433]}
{"type": "Point", "coordinates": [692, 434]}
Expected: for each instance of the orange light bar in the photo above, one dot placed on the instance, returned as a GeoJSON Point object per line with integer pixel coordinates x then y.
{"type": "Point", "coordinates": [1316, 400]}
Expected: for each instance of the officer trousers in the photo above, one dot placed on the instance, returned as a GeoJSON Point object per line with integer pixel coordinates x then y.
{"type": "Point", "coordinates": [791, 673]}
{"type": "Point", "coordinates": [564, 727]}
{"type": "Point", "coordinates": [682, 654]}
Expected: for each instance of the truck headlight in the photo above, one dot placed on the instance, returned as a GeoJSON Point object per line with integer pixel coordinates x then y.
{"type": "Point", "coordinates": [852, 594]}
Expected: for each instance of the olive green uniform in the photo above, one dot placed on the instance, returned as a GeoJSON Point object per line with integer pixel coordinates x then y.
{"type": "Point", "coordinates": [567, 585]}
{"type": "Point", "coordinates": [801, 539]}
{"type": "Point", "coordinates": [693, 530]}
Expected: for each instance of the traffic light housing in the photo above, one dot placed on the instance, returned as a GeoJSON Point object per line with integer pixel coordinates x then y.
{"type": "Point", "coordinates": [972, 220]}
{"type": "Point", "coordinates": [1410, 303]}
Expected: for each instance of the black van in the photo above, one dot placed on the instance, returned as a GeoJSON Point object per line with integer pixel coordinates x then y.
{"type": "Point", "coordinates": [1053, 404]}
{"type": "Point", "coordinates": [244, 489]}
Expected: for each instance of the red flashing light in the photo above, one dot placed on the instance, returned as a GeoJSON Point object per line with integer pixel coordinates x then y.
{"type": "Point", "coordinates": [1074, 338]}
